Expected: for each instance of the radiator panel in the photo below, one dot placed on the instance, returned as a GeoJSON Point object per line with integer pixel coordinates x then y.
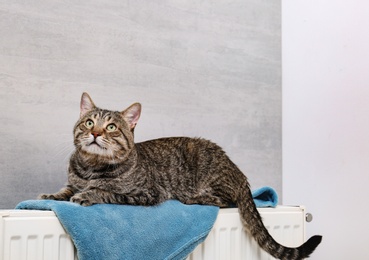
{"type": "Point", "coordinates": [228, 239]}
{"type": "Point", "coordinates": [38, 235]}
{"type": "Point", "coordinates": [34, 235]}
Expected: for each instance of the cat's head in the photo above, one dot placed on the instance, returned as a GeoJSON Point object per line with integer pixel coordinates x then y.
{"type": "Point", "coordinates": [105, 133]}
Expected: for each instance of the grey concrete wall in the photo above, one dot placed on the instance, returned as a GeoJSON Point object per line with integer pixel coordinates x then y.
{"type": "Point", "coordinates": [200, 68]}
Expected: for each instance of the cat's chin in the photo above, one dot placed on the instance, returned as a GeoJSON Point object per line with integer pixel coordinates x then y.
{"type": "Point", "coordinates": [94, 148]}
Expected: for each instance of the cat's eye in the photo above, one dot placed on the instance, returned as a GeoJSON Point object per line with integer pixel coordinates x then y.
{"type": "Point", "coordinates": [111, 127]}
{"type": "Point", "coordinates": [89, 123]}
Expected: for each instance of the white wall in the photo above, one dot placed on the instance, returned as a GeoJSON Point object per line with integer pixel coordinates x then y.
{"type": "Point", "coordinates": [326, 120]}
{"type": "Point", "coordinates": [200, 68]}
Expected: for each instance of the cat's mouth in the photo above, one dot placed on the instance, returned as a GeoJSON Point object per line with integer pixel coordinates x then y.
{"type": "Point", "coordinates": [96, 144]}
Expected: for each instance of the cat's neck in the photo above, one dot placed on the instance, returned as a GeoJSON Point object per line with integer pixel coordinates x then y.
{"type": "Point", "coordinates": [104, 165]}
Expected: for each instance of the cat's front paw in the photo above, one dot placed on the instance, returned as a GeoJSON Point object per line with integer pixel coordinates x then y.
{"type": "Point", "coordinates": [81, 200]}
{"type": "Point", "coordinates": [46, 197]}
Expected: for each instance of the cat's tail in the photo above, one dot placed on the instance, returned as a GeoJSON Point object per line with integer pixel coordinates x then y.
{"type": "Point", "coordinates": [253, 223]}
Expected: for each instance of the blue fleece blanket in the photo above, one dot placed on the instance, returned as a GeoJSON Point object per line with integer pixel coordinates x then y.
{"type": "Point", "coordinates": [265, 197]}
{"type": "Point", "coordinates": [170, 230]}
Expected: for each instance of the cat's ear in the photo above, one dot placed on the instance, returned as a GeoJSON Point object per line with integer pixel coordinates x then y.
{"type": "Point", "coordinates": [132, 114]}
{"type": "Point", "coordinates": [86, 104]}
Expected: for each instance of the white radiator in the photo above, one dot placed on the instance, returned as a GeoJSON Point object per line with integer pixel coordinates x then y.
{"type": "Point", "coordinates": [38, 235]}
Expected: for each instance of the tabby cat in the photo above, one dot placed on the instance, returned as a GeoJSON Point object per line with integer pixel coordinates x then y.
{"type": "Point", "coordinates": [108, 167]}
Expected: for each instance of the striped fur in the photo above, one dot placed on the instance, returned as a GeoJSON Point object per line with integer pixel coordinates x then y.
{"type": "Point", "coordinates": [108, 167]}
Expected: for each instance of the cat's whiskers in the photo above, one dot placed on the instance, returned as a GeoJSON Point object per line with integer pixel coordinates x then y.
{"type": "Point", "coordinates": [64, 149]}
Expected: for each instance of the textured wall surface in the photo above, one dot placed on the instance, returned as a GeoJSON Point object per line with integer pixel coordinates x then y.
{"type": "Point", "coordinates": [200, 68]}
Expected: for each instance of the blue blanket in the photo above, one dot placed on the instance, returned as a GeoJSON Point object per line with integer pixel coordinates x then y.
{"type": "Point", "coordinates": [265, 197]}
{"type": "Point", "coordinates": [170, 230]}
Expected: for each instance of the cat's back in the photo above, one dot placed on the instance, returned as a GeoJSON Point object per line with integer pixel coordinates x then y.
{"type": "Point", "coordinates": [174, 147]}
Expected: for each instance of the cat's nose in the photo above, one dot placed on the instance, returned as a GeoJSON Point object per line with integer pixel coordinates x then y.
{"type": "Point", "coordinates": [95, 134]}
